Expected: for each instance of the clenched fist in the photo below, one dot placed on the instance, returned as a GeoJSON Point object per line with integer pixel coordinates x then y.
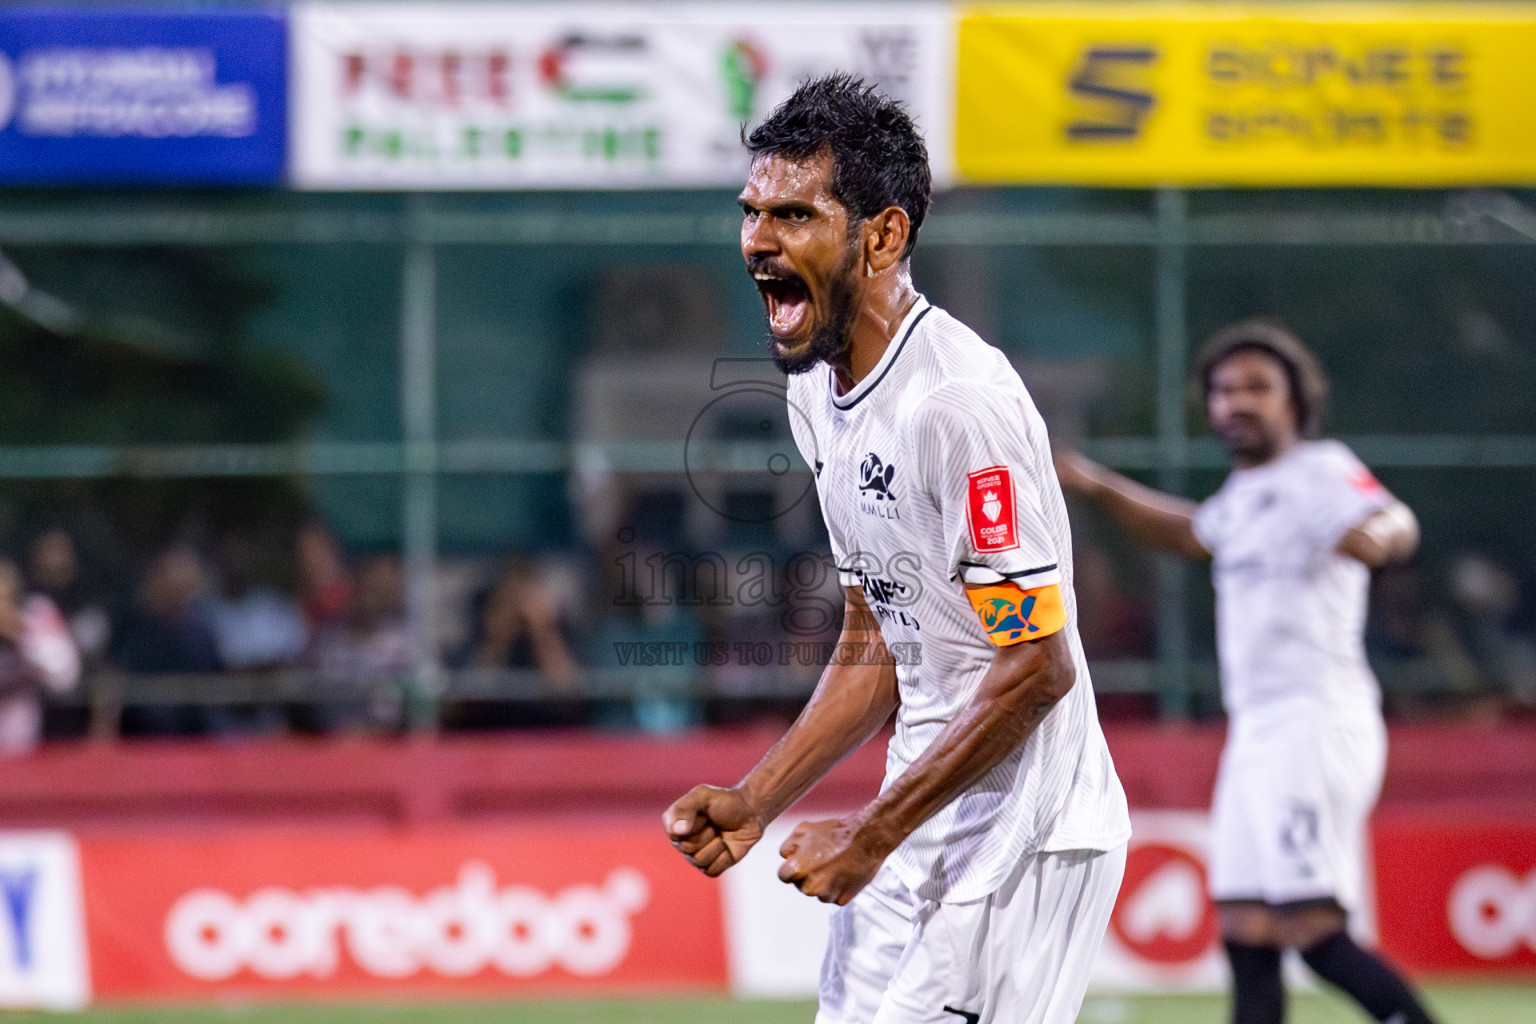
{"type": "Point", "coordinates": [829, 860]}
{"type": "Point", "coordinates": [714, 828]}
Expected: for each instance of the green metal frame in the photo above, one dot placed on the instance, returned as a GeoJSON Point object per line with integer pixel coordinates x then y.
{"type": "Point", "coordinates": [422, 226]}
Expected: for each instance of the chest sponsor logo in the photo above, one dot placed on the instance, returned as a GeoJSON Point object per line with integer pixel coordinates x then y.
{"type": "Point", "coordinates": [892, 586]}
{"type": "Point", "coordinates": [876, 498]}
{"type": "Point", "coordinates": [890, 600]}
{"type": "Point", "coordinates": [994, 524]}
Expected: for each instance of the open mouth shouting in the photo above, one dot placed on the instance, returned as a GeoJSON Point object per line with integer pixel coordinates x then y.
{"type": "Point", "coordinates": [786, 298]}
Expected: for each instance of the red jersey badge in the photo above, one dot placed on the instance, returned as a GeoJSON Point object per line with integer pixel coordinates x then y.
{"type": "Point", "coordinates": [994, 526]}
{"type": "Point", "coordinates": [1363, 481]}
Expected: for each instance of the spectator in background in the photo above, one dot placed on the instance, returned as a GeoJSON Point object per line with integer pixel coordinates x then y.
{"type": "Point", "coordinates": [255, 626]}
{"type": "Point", "coordinates": [325, 586]}
{"type": "Point", "coordinates": [363, 655]}
{"type": "Point", "coordinates": [37, 655]}
{"type": "Point", "coordinates": [53, 570]}
{"type": "Point", "coordinates": [164, 634]}
{"type": "Point", "coordinates": [517, 627]}
{"type": "Point", "coordinates": [1476, 642]}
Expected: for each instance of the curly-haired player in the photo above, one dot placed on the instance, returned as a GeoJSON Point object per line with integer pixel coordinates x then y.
{"type": "Point", "coordinates": [1293, 534]}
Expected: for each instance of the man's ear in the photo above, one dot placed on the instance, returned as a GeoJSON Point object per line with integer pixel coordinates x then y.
{"type": "Point", "coordinates": [885, 238]}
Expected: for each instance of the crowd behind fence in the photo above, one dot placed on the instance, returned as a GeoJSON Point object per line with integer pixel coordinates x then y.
{"type": "Point", "coordinates": [238, 635]}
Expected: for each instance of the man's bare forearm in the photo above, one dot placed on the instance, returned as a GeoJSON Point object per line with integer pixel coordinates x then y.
{"type": "Point", "coordinates": [1162, 520]}
{"type": "Point", "coordinates": [848, 708]}
{"type": "Point", "coordinates": [1022, 685]}
{"type": "Point", "coordinates": [850, 705]}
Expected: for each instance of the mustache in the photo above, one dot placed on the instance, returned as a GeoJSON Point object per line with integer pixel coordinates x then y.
{"type": "Point", "coordinates": [760, 264]}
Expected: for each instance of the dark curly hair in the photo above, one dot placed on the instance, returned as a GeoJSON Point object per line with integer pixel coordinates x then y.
{"type": "Point", "coordinates": [1303, 370]}
{"type": "Point", "coordinates": [878, 158]}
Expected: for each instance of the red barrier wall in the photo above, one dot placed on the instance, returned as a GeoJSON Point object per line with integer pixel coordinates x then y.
{"type": "Point", "coordinates": [1465, 771]}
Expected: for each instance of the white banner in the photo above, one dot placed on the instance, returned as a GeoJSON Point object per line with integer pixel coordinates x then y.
{"type": "Point", "coordinates": [775, 935]}
{"type": "Point", "coordinates": [493, 96]}
{"type": "Point", "coordinates": [42, 927]}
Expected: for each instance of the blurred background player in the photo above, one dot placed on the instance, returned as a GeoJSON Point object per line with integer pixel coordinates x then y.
{"type": "Point", "coordinates": [979, 884]}
{"type": "Point", "coordinates": [1293, 534]}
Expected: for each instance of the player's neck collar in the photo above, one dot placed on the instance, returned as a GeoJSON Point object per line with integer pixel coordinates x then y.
{"type": "Point", "coordinates": [859, 391]}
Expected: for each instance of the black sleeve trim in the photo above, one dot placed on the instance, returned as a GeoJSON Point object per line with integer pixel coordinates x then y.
{"type": "Point", "coordinates": [1014, 575]}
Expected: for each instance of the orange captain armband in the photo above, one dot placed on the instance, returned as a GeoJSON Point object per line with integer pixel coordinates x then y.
{"type": "Point", "coordinates": [1011, 615]}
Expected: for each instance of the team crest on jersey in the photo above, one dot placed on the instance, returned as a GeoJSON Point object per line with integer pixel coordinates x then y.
{"type": "Point", "coordinates": [994, 527]}
{"type": "Point", "coordinates": [876, 498]}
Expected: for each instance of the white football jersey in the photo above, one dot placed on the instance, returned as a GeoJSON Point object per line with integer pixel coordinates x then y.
{"type": "Point", "coordinates": [933, 471]}
{"type": "Point", "coordinates": [1290, 610]}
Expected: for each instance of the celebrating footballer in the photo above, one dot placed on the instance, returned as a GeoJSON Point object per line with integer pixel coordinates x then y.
{"type": "Point", "coordinates": [977, 886]}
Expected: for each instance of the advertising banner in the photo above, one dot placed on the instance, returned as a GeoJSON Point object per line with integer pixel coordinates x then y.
{"type": "Point", "coordinates": [42, 931]}
{"type": "Point", "coordinates": [1458, 899]}
{"type": "Point", "coordinates": [1338, 94]}
{"type": "Point", "coordinates": [474, 912]}
{"type": "Point", "coordinates": [1163, 935]}
{"type": "Point", "coordinates": [129, 97]}
{"type": "Point", "coordinates": [482, 96]}
{"type": "Point", "coordinates": [775, 935]}
{"type": "Point", "coordinates": [589, 910]}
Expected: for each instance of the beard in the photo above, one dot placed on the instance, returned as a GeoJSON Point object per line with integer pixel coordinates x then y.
{"type": "Point", "coordinates": [830, 340]}
{"type": "Point", "coordinates": [1248, 439]}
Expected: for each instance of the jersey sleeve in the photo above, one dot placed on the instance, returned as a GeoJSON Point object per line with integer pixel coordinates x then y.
{"type": "Point", "coordinates": [976, 462]}
{"type": "Point", "coordinates": [1342, 494]}
{"type": "Point", "coordinates": [1207, 522]}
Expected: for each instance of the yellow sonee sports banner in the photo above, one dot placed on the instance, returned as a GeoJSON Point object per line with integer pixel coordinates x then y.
{"type": "Point", "coordinates": [1147, 94]}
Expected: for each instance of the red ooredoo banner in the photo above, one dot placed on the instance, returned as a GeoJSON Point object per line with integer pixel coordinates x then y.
{"type": "Point", "coordinates": [453, 912]}
{"type": "Point", "coordinates": [1457, 899]}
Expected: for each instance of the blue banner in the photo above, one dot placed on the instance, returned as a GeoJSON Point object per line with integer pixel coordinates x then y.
{"type": "Point", "coordinates": [142, 97]}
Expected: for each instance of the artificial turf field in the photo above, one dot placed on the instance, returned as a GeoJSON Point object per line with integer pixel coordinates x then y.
{"type": "Point", "coordinates": [1458, 1004]}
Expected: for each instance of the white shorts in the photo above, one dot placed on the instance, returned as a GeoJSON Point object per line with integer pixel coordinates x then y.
{"type": "Point", "coordinates": [1289, 818]}
{"type": "Point", "coordinates": [1020, 956]}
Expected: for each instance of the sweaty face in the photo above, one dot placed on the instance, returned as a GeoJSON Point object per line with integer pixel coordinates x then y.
{"type": "Point", "coordinates": [1250, 406]}
{"type": "Point", "coordinates": [796, 240]}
